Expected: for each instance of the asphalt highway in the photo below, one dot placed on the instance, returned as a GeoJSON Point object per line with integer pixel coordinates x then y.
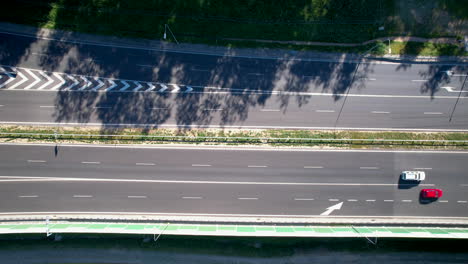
{"type": "Point", "coordinates": [220, 90]}
{"type": "Point", "coordinates": [222, 181]}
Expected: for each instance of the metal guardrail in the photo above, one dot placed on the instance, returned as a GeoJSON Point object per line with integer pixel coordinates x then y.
{"type": "Point", "coordinates": [288, 140]}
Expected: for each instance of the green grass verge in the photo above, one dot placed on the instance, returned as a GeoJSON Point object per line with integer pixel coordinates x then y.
{"type": "Point", "coordinates": [301, 138]}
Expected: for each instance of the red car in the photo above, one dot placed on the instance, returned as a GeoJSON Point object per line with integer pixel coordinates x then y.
{"type": "Point", "coordinates": [431, 193]}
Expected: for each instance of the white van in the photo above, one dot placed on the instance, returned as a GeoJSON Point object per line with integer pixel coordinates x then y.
{"type": "Point", "coordinates": [413, 175]}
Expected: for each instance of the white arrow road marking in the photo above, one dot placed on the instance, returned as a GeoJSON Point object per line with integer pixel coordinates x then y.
{"type": "Point", "coordinates": [75, 82]}
{"type": "Point", "coordinates": [163, 89]}
{"type": "Point", "coordinates": [112, 86]}
{"type": "Point", "coordinates": [176, 88]}
{"type": "Point", "coordinates": [126, 85]}
{"type": "Point", "coordinates": [151, 87]}
{"type": "Point", "coordinates": [33, 83]}
{"type": "Point", "coordinates": [49, 80]}
{"type": "Point", "coordinates": [24, 79]}
{"type": "Point", "coordinates": [450, 89]}
{"type": "Point", "coordinates": [332, 208]}
{"type": "Point", "coordinates": [62, 82]}
{"type": "Point", "coordinates": [138, 86]}
{"type": "Point", "coordinates": [88, 83]}
{"type": "Point", "coordinates": [9, 75]}
{"type": "Point", "coordinates": [189, 89]}
{"type": "Point", "coordinates": [99, 85]}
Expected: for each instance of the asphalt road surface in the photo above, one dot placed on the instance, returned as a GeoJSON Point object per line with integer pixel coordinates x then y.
{"type": "Point", "coordinates": [220, 181]}
{"type": "Point", "coordinates": [47, 82]}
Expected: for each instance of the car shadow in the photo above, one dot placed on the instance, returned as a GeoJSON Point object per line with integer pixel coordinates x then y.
{"type": "Point", "coordinates": [423, 200]}
{"type": "Point", "coordinates": [402, 184]}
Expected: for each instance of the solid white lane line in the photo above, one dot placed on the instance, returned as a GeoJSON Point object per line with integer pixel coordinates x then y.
{"type": "Point", "coordinates": [91, 162]}
{"type": "Point", "coordinates": [352, 200]}
{"type": "Point", "coordinates": [333, 200]}
{"type": "Point", "coordinates": [201, 165]}
{"type": "Point", "coordinates": [313, 167]}
{"type": "Point", "coordinates": [82, 196]}
{"type": "Point", "coordinates": [1, 105]}
{"type": "Point", "coordinates": [369, 168]}
{"type": "Point", "coordinates": [303, 199]}
{"type": "Point", "coordinates": [28, 196]}
{"type": "Point", "coordinates": [144, 164]}
{"type": "Point", "coordinates": [443, 201]}
{"type": "Point", "coordinates": [269, 110]}
{"type": "Point", "coordinates": [325, 111]}
{"type": "Point", "coordinates": [71, 179]}
{"type": "Point", "coordinates": [461, 201]}
{"type": "Point", "coordinates": [47, 106]}
{"type": "Point", "coordinates": [370, 200]}
{"type": "Point", "coordinates": [247, 198]}
{"type": "Point", "coordinates": [192, 197]}
{"type": "Point", "coordinates": [433, 113]}
{"type": "Point", "coordinates": [388, 201]}
{"type": "Point", "coordinates": [380, 112]}
{"type": "Point", "coordinates": [406, 201]}
{"type": "Point", "coordinates": [422, 168]}
{"type": "Point", "coordinates": [419, 80]}
{"type": "Point", "coordinates": [137, 196]}
{"type": "Point", "coordinates": [36, 161]}
{"type": "Point", "coordinates": [257, 166]}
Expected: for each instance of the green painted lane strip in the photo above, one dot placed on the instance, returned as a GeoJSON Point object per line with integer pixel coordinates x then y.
{"type": "Point", "coordinates": [284, 229]}
{"type": "Point", "coordinates": [207, 228]}
{"type": "Point", "coordinates": [227, 228]}
{"type": "Point", "coordinates": [116, 226]}
{"type": "Point", "coordinates": [246, 229]}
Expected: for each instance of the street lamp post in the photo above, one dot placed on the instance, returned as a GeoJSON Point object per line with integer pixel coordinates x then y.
{"type": "Point", "coordinates": [450, 73]}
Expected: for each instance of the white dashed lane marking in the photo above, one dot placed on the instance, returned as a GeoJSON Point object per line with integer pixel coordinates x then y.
{"type": "Point", "coordinates": [82, 196]}
{"type": "Point", "coordinates": [370, 200]}
{"type": "Point", "coordinates": [47, 106]}
{"type": "Point", "coordinates": [303, 199]}
{"type": "Point", "coordinates": [247, 198]}
{"type": "Point", "coordinates": [461, 201]}
{"type": "Point", "coordinates": [201, 165]}
{"type": "Point", "coordinates": [257, 166]}
{"type": "Point", "coordinates": [406, 201]}
{"type": "Point", "coordinates": [28, 196]}
{"type": "Point", "coordinates": [333, 200]}
{"type": "Point", "coordinates": [433, 113]}
{"type": "Point", "coordinates": [352, 200]}
{"type": "Point", "coordinates": [91, 162]}
{"type": "Point", "coordinates": [192, 197]}
{"type": "Point", "coordinates": [388, 201]}
{"type": "Point", "coordinates": [269, 110]}
{"type": "Point", "coordinates": [36, 161]}
{"type": "Point", "coordinates": [443, 201]}
{"type": "Point", "coordinates": [369, 168]}
{"type": "Point", "coordinates": [144, 164]}
{"type": "Point", "coordinates": [325, 111]}
{"type": "Point", "coordinates": [137, 196]}
{"type": "Point", "coordinates": [313, 167]}
{"type": "Point", "coordinates": [380, 112]}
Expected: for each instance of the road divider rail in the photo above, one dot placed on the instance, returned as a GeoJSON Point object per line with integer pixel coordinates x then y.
{"type": "Point", "coordinates": [63, 227]}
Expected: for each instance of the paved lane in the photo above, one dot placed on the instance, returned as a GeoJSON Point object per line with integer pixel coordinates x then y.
{"type": "Point", "coordinates": [227, 181]}
{"type": "Point", "coordinates": [196, 89]}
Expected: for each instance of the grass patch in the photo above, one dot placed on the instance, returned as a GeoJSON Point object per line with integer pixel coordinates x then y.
{"type": "Point", "coordinates": [279, 138]}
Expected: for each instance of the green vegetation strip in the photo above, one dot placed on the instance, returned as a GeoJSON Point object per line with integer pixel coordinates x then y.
{"type": "Point", "coordinates": [233, 24]}
{"type": "Point", "coordinates": [310, 138]}
{"type": "Point", "coordinates": [235, 230]}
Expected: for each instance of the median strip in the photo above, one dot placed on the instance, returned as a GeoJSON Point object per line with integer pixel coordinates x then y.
{"type": "Point", "coordinates": [270, 137]}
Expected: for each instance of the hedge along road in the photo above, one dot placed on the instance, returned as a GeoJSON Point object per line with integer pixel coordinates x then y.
{"type": "Point", "coordinates": [224, 91]}
{"type": "Point", "coordinates": [220, 181]}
